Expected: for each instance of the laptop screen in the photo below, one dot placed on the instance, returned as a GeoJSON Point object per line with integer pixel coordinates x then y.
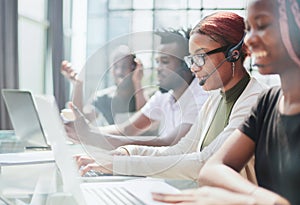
{"type": "Point", "coordinates": [24, 117]}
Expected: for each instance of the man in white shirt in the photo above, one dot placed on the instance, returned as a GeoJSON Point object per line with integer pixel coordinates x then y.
{"type": "Point", "coordinates": [163, 107]}
{"type": "Point", "coordinates": [233, 92]}
{"type": "Point", "coordinates": [175, 106]}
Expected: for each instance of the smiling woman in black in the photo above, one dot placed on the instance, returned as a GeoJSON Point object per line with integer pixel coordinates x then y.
{"type": "Point", "coordinates": [277, 145]}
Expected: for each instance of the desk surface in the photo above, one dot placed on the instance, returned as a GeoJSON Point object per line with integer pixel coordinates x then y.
{"type": "Point", "coordinates": [31, 181]}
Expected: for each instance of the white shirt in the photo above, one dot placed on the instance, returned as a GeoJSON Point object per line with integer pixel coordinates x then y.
{"type": "Point", "coordinates": [162, 107]}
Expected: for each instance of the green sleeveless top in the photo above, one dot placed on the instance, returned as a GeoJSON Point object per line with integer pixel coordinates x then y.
{"type": "Point", "coordinates": [222, 114]}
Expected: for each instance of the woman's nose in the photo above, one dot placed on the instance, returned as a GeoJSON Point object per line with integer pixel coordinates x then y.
{"type": "Point", "coordinates": [251, 38]}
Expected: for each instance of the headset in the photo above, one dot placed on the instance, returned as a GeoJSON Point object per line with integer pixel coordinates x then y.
{"type": "Point", "coordinates": [232, 54]}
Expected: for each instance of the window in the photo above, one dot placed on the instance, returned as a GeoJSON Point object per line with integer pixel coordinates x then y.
{"type": "Point", "coordinates": [109, 21]}
{"type": "Point", "coordinates": [90, 25]}
{"type": "Point", "coordinates": [33, 26]}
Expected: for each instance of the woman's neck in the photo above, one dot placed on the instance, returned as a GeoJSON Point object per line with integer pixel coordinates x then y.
{"type": "Point", "coordinates": [237, 77]}
{"type": "Point", "coordinates": [290, 84]}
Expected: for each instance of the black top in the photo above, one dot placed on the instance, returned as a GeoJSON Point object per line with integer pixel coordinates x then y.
{"type": "Point", "coordinates": [277, 145]}
{"type": "Point", "coordinates": [110, 106]}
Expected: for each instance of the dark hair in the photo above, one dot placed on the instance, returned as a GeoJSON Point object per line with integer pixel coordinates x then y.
{"type": "Point", "coordinates": [172, 35]}
{"type": "Point", "coordinates": [179, 36]}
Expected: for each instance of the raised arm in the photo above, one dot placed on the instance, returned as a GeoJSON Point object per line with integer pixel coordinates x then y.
{"type": "Point", "coordinates": [140, 99]}
{"type": "Point", "coordinates": [72, 76]}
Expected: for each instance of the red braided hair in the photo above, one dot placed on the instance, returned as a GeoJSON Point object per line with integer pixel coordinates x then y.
{"type": "Point", "coordinates": [226, 28]}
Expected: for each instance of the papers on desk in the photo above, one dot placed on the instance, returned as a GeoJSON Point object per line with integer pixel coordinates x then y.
{"type": "Point", "coordinates": [35, 157]}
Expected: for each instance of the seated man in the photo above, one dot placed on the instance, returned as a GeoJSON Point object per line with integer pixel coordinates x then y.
{"type": "Point", "coordinates": [175, 106]}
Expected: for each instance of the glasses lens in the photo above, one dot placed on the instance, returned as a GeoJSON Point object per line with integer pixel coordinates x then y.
{"type": "Point", "coordinates": [199, 59]}
{"type": "Point", "coordinates": [188, 60]}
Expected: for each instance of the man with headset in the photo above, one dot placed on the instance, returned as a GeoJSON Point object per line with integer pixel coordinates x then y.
{"type": "Point", "coordinates": [175, 106]}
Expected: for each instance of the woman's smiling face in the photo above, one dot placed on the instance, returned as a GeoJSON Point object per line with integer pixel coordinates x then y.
{"type": "Point", "coordinates": [263, 37]}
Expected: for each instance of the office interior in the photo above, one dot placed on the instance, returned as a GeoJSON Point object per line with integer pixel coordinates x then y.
{"type": "Point", "coordinates": [36, 35]}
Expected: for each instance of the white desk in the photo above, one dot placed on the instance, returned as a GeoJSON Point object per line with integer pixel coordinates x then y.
{"type": "Point", "coordinates": [34, 183]}
{"type": "Point", "coordinates": [22, 181]}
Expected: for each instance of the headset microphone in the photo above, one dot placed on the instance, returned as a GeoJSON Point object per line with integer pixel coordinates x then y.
{"type": "Point", "coordinates": [203, 80]}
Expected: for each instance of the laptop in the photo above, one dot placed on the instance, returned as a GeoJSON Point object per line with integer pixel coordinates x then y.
{"type": "Point", "coordinates": [135, 191]}
{"type": "Point", "coordinates": [24, 118]}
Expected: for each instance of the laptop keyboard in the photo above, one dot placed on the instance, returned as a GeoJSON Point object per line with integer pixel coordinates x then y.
{"type": "Point", "coordinates": [93, 173]}
{"type": "Point", "coordinates": [113, 196]}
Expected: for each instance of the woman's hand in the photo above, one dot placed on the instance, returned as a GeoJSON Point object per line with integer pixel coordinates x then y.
{"type": "Point", "coordinates": [120, 151]}
{"type": "Point", "coordinates": [86, 164]}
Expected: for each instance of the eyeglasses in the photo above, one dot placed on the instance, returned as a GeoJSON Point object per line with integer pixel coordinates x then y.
{"type": "Point", "coordinates": [199, 59]}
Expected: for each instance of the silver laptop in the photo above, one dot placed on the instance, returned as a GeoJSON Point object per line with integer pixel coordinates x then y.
{"type": "Point", "coordinates": [24, 118]}
{"type": "Point", "coordinates": [135, 191]}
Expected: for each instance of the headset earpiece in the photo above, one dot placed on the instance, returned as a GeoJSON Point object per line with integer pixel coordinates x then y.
{"type": "Point", "coordinates": [234, 53]}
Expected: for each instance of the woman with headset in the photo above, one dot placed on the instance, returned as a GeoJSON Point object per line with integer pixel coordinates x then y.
{"type": "Point", "coordinates": [217, 56]}
{"type": "Point", "coordinates": [272, 129]}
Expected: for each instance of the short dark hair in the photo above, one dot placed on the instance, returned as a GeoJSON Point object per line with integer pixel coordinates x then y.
{"type": "Point", "coordinates": [179, 36]}
{"type": "Point", "coordinates": [173, 35]}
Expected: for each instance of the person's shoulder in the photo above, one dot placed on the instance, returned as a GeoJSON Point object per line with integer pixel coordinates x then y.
{"type": "Point", "coordinates": [264, 88]}
{"type": "Point", "coordinates": [257, 85]}
{"type": "Point", "coordinates": [268, 99]}
{"type": "Point", "coordinates": [158, 98]}
{"type": "Point", "coordinates": [273, 92]}
{"type": "Point", "coordinates": [159, 94]}
{"type": "Point", "coordinates": [253, 90]}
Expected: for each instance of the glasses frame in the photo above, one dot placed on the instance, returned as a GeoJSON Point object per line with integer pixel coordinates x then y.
{"type": "Point", "coordinates": [190, 60]}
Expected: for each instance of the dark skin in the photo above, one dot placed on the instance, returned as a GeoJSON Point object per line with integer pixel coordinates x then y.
{"type": "Point", "coordinates": [264, 40]}
{"type": "Point", "coordinates": [171, 76]}
{"type": "Point", "coordinates": [224, 78]}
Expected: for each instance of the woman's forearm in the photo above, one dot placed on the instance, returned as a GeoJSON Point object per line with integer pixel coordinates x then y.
{"type": "Point", "coordinates": [220, 175]}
